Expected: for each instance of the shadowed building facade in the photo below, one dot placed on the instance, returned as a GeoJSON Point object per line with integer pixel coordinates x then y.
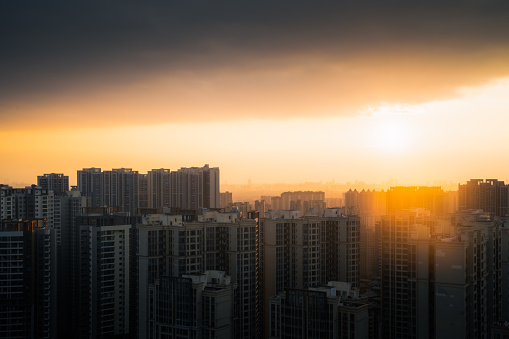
{"type": "Point", "coordinates": [490, 195]}
{"type": "Point", "coordinates": [28, 280]}
{"type": "Point", "coordinates": [439, 285]}
{"type": "Point", "coordinates": [192, 306]}
{"type": "Point", "coordinates": [56, 182]}
{"type": "Point", "coordinates": [218, 242]}
{"type": "Point", "coordinates": [301, 252]}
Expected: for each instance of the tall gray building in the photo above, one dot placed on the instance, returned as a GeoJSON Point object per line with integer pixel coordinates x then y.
{"type": "Point", "coordinates": [301, 252]}
{"type": "Point", "coordinates": [66, 209]}
{"type": "Point", "coordinates": [193, 306]}
{"type": "Point", "coordinates": [196, 187]}
{"type": "Point", "coordinates": [438, 282]}
{"type": "Point", "coordinates": [490, 195]}
{"type": "Point", "coordinates": [143, 191]}
{"type": "Point", "coordinates": [120, 187]}
{"type": "Point", "coordinates": [31, 202]}
{"type": "Point", "coordinates": [318, 313]}
{"type": "Point", "coordinates": [28, 286]}
{"type": "Point", "coordinates": [188, 188]}
{"type": "Point", "coordinates": [159, 188]}
{"type": "Point", "coordinates": [218, 242]}
{"type": "Point", "coordinates": [56, 182]}
{"type": "Point", "coordinates": [101, 305]}
{"type": "Point", "coordinates": [90, 184]}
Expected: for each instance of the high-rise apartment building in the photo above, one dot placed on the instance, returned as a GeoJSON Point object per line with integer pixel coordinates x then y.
{"type": "Point", "coordinates": [219, 242]}
{"type": "Point", "coordinates": [102, 275]}
{"type": "Point", "coordinates": [490, 195]}
{"type": "Point", "coordinates": [225, 199]}
{"type": "Point", "coordinates": [159, 188]}
{"type": "Point", "coordinates": [90, 184]}
{"type": "Point", "coordinates": [303, 201]}
{"type": "Point", "coordinates": [188, 188]}
{"type": "Point", "coordinates": [260, 207]}
{"type": "Point", "coordinates": [66, 209]}
{"type": "Point", "coordinates": [121, 188]}
{"type": "Point", "coordinates": [196, 187]}
{"type": "Point", "coordinates": [28, 288]}
{"type": "Point", "coordinates": [372, 205]}
{"type": "Point", "coordinates": [431, 198]}
{"type": "Point", "coordinates": [439, 285]}
{"type": "Point", "coordinates": [31, 202]}
{"type": "Point", "coordinates": [193, 306]}
{"type": "Point", "coordinates": [303, 313]}
{"type": "Point", "coordinates": [301, 252]}
{"type": "Point", "coordinates": [378, 203]}
{"type": "Point", "coordinates": [317, 313]}
{"type": "Point", "coordinates": [143, 191]}
{"type": "Point", "coordinates": [118, 188]}
{"type": "Point", "coordinates": [211, 187]}
{"type": "Point", "coordinates": [56, 182]}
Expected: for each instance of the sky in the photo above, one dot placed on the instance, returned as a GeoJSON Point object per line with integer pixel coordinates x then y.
{"type": "Point", "coordinates": [272, 91]}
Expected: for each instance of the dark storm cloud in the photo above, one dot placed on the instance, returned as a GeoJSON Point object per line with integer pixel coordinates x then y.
{"type": "Point", "coordinates": [53, 48]}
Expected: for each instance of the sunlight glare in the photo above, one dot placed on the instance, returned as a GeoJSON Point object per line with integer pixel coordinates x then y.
{"type": "Point", "coordinates": [392, 131]}
{"type": "Point", "coordinates": [392, 137]}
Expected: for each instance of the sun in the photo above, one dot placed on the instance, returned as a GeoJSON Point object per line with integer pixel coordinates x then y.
{"type": "Point", "coordinates": [392, 137]}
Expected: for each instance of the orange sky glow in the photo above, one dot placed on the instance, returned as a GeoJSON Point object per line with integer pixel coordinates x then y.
{"type": "Point", "coordinates": [372, 103]}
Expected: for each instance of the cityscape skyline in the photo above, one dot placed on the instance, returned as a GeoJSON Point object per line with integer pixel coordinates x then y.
{"type": "Point", "coordinates": [308, 185]}
{"type": "Point", "coordinates": [254, 170]}
{"type": "Point", "coordinates": [407, 262]}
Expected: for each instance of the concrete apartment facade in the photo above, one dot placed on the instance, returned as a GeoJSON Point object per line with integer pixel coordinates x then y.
{"type": "Point", "coordinates": [301, 252]}
{"type": "Point", "coordinates": [219, 242]}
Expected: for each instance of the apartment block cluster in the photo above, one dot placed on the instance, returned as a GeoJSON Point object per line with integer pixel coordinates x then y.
{"type": "Point", "coordinates": [307, 202]}
{"type": "Point", "coordinates": [187, 188]}
{"type": "Point", "coordinates": [153, 255]}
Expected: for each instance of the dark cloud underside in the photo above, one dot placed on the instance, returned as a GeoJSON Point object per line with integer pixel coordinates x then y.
{"type": "Point", "coordinates": [187, 55]}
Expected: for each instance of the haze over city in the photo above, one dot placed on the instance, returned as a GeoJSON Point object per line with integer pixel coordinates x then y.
{"type": "Point", "coordinates": [275, 92]}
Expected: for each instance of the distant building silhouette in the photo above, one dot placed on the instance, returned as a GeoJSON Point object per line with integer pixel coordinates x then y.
{"type": "Point", "coordinates": [491, 195]}
{"type": "Point", "coordinates": [307, 202]}
{"type": "Point", "coordinates": [187, 188]}
{"type": "Point", "coordinates": [159, 188]}
{"type": "Point", "coordinates": [56, 182]}
{"type": "Point", "coordinates": [143, 191]}
{"type": "Point", "coordinates": [226, 199]}
{"type": "Point", "coordinates": [90, 184]}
